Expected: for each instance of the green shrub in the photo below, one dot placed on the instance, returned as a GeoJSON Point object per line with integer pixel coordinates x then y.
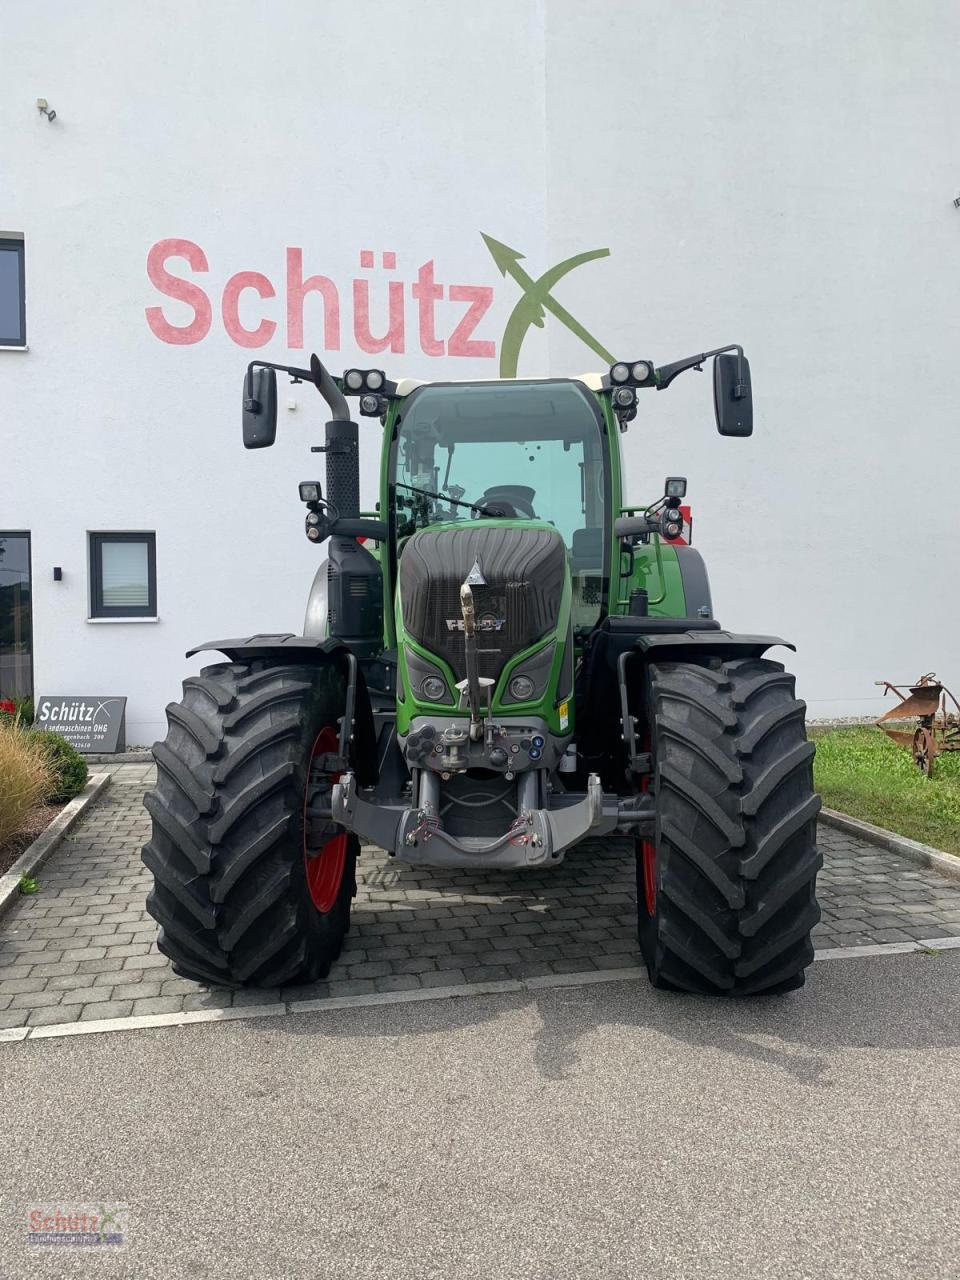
{"type": "Point", "coordinates": [67, 766]}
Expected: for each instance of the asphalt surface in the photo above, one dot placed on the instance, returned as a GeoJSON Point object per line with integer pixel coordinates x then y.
{"type": "Point", "coordinates": [609, 1131]}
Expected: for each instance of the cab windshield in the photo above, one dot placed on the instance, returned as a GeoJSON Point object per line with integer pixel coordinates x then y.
{"type": "Point", "coordinates": [516, 450]}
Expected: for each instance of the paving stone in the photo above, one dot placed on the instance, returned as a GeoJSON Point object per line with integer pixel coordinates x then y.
{"type": "Point", "coordinates": [157, 1004]}
{"type": "Point", "coordinates": [207, 1000]}
{"type": "Point", "coordinates": [397, 982]}
{"type": "Point", "coordinates": [372, 969]}
{"type": "Point", "coordinates": [54, 970]}
{"type": "Point", "coordinates": [443, 978]}
{"type": "Point", "coordinates": [418, 964]}
{"type": "Point", "coordinates": [254, 996]}
{"type": "Point", "coordinates": [18, 986]}
{"type": "Point", "coordinates": [152, 960]}
{"type": "Point", "coordinates": [84, 953]}
{"type": "Point", "coordinates": [135, 991]}
{"type": "Point", "coordinates": [54, 1014]}
{"type": "Point", "coordinates": [35, 999]}
{"type": "Point", "coordinates": [491, 972]}
{"type": "Point", "coordinates": [351, 987]}
{"type": "Point", "coordinates": [106, 1009]}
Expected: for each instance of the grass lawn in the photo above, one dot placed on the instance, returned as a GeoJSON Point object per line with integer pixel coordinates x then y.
{"type": "Point", "coordinates": [861, 772]}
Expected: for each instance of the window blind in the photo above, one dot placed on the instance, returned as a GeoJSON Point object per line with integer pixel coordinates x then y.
{"type": "Point", "coordinates": [125, 575]}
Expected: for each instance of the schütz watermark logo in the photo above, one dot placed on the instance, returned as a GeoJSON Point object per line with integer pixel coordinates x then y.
{"type": "Point", "coordinates": [78, 1226]}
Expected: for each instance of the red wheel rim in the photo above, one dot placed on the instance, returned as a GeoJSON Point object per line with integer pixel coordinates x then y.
{"type": "Point", "coordinates": [649, 851]}
{"type": "Point", "coordinates": [650, 876]}
{"type": "Point", "coordinates": [325, 863]}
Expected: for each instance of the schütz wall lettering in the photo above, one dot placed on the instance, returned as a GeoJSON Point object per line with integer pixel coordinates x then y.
{"type": "Point", "coordinates": [379, 305]}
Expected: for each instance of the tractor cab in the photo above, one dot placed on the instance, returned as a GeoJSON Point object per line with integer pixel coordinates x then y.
{"type": "Point", "coordinates": [525, 452]}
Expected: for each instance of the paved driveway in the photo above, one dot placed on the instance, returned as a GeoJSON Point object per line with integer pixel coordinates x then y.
{"type": "Point", "coordinates": [84, 947]}
{"type": "Point", "coordinates": [610, 1131]}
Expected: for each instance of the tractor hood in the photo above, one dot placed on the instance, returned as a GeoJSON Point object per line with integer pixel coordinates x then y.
{"type": "Point", "coordinates": [517, 571]}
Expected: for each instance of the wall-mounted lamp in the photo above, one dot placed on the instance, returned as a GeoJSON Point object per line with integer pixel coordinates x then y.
{"type": "Point", "coordinates": [956, 203]}
{"type": "Point", "coordinates": [46, 110]}
{"type": "Point", "coordinates": [57, 573]}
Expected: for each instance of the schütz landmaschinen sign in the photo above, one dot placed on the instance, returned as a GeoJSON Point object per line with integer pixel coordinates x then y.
{"type": "Point", "coordinates": [88, 723]}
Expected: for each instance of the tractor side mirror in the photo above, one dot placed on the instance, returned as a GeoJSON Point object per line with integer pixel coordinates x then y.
{"type": "Point", "coordinates": [259, 408]}
{"type": "Point", "coordinates": [732, 394]}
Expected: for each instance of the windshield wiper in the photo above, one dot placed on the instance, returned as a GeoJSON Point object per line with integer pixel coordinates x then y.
{"type": "Point", "coordinates": [439, 497]}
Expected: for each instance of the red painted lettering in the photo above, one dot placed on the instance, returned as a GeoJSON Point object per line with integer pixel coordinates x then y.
{"type": "Point", "coordinates": [182, 290]}
{"type": "Point", "coordinates": [393, 340]}
{"type": "Point", "coordinates": [297, 290]}
{"type": "Point", "coordinates": [428, 294]}
{"type": "Point", "coordinates": [230, 309]}
{"type": "Point", "coordinates": [461, 343]}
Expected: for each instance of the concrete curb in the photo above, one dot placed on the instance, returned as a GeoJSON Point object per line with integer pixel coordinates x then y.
{"type": "Point", "coordinates": [120, 757]}
{"type": "Point", "coordinates": [945, 864]}
{"type": "Point", "coordinates": [48, 840]}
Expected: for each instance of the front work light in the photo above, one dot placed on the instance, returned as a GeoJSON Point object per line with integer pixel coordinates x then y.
{"type": "Point", "coordinates": [675, 487]}
{"type": "Point", "coordinates": [364, 380]}
{"type": "Point", "coordinates": [310, 491]}
{"type": "Point", "coordinates": [636, 373]}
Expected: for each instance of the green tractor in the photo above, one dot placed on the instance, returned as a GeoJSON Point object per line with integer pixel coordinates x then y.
{"type": "Point", "coordinates": [504, 660]}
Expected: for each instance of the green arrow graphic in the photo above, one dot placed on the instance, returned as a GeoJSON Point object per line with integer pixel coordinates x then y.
{"type": "Point", "coordinates": [536, 299]}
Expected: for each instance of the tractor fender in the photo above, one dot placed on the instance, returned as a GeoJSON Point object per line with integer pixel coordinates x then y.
{"type": "Point", "coordinates": [687, 646]}
{"type": "Point", "coordinates": [696, 584]}
{"type": "Point", "coordinates": [288, 649]}
{"type": "Point", "coordinates": [316, 620]}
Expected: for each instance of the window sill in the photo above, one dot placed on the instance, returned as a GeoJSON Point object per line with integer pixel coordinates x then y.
{"type": "Point", "coordinates": [12, 347]}
{"type": "Point", "coordinates": [98, 621]}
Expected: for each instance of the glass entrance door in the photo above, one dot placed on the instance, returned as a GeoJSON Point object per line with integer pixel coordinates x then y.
{"type": "Point", "coordinates": [16, 617]}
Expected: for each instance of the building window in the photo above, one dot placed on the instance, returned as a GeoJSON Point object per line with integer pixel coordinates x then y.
{"type": "Point", "coordinates": [13, 308]}
{"type": "Point", "coordinates": [16, 617]}
{"type": "Point", "coordinates": [123, 575]}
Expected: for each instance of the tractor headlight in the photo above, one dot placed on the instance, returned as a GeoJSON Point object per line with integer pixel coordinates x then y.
{"type": "Point", "coordinates": [353, 379]}
{"type": "Point", "coordinates": [672, 513]}
{"type": "Point", "coordinates": [433, 689]}
{"type": "Point", "coordinates": [521, 688]}
{"type": "Point", "coordinates": [624, 397]}
{"type": "Point", "coordinates": [310, 491]}
{"type": "Point", "coordinates": [374, 379]}
{"type": "Point", "coordinates": [620, 373]}
{"type": "Point", "coordinates": [641, 371]}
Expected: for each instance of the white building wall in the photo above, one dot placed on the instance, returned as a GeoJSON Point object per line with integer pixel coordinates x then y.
{"type": "Point", "coordinates": [779, 175]}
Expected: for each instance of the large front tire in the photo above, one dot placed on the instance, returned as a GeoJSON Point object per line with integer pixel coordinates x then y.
{"type": "Point", "coordinates": [726, 897]}
{"type": "Point", "coordinates": [250, 888]}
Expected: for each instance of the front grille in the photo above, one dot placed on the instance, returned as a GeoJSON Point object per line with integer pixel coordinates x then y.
{"type": "Point", "coordinates": [524, 570]}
